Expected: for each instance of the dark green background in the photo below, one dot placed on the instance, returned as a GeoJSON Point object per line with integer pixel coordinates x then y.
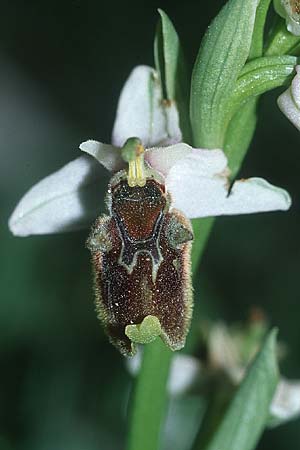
{"type": "Point", "coordinates": [62, 65]}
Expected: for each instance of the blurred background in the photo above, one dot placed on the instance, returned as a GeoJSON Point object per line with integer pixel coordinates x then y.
{"type": "Point", "coordinates": [62, 65]}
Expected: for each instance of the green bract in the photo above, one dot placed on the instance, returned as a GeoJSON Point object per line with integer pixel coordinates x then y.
{"type": "Point", "coordinates": [259, 76]}
{"type": "Point", "coordinates": [223, 53]}
{"type": "Point", "coordinates": [170, 64]}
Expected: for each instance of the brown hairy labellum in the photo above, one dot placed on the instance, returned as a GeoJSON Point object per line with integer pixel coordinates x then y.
{"type": "Point", "coordinates": [141, 260]}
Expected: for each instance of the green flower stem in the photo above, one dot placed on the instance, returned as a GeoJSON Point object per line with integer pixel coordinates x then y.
{"type": "Point", "coordinates": [150, 398]}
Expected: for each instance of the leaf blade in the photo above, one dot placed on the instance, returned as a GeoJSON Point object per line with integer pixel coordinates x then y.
{"type": "Point", "coordinates": [242, 426]}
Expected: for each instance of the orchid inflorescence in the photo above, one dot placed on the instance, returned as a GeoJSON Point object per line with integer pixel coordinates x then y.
{"type": "Point", "coordinates": [177, 145]}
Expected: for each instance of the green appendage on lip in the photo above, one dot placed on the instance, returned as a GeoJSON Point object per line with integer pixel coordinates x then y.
{"type": "Point", "coordinates": [145, 332]}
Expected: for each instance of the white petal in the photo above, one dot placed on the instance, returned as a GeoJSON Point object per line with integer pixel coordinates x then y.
{"type": "Point", "coordinates": [289, 101]}
{"type": "Point", "coordinates": [142, 113]}
{"type": "Point", "coordinates": [163, 158]}
{"type": "Point", "coordinates": [107, 155]}
{"type": "Point", "coordinates": [201, 190]}
{"type": "Point", "coordinates": [289, 108]}
{"type": "Point", "coordinates": [69, 199]}
{"type": "Point", "coordinates": [286, 402]}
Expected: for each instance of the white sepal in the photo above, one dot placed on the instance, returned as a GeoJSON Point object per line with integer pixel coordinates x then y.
{"type": "Point", "coordinates": [66, 200]}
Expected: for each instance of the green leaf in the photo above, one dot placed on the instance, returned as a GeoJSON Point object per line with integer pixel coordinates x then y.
{"type": "Point", "coordinates": [170, 64]}
{"type": "Point", "coordinates": [223, 53]}
{"type": "Point", "coordinates": [248, 412]}
{"type": "Point", "coordinates": [269, 63]}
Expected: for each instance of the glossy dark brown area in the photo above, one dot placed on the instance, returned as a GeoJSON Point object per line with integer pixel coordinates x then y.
{"type": "Point", "coordinates": [138, 208]}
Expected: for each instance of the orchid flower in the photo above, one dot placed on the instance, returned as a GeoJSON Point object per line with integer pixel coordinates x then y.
{"type": "Point", "coordinates": [289, 100]}
{"type": "Point", "coordinates": [198, 179]}
{"type": "Point", "coordinates": [290, 11]}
